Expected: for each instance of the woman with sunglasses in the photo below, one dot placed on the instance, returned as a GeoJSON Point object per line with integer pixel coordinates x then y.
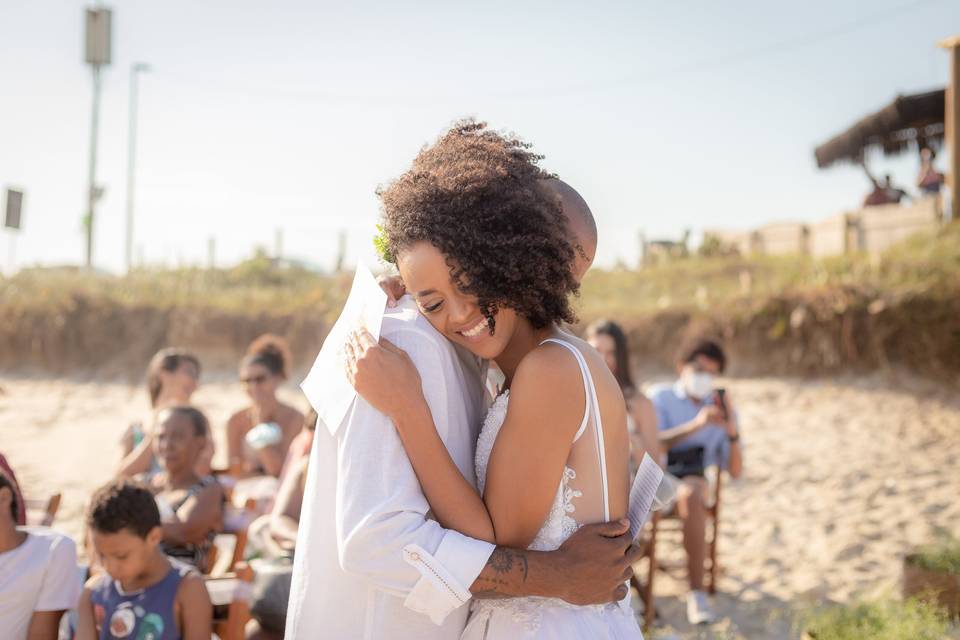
{"type": "Point", "coordinates": [259, 436]}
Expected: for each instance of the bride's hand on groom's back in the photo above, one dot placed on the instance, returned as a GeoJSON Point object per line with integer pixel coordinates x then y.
{"type": "Point", "coordinates": [382, 373]}
{"type": "Point", "coordinates": [596, 562]}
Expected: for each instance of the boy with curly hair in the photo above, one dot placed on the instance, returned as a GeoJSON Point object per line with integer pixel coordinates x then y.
{"type": "Point", "coordinates": [144, 594]}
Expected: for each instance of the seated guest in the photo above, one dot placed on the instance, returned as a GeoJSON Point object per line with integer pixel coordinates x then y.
{"type": "Point", "coordinates": [259, 436]}
{"type": "Point", "coordinates": [38, 574]}
{"type": "Point", "coordinates": [275, 534]}
{"type": "Point", "coordinates": [301, 445]}
{"type": "Point", "coordinates": [272, 538]}
{"type": "Point", "coordinates": [171, 381]}
{"type": "Point", "coordinates": [21, 505]}
{"type": "Point", "coordinates": [143, 594]}
{"type": "Point", "coordinates": [698, 426]}
{"type": "Point", "coordinates": [191, 506]}
{"type": "Point", "coordinates": [611, 342]}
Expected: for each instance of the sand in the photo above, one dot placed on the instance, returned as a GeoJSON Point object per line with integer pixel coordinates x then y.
{"type": "Point", "coordinates": [843, 477]}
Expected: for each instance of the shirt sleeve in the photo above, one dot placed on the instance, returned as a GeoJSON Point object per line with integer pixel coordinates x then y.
{"type": "Point", "coordinates": [660, 408]}
{"type": "Point", "coordinates": [61, 586]}
{"type": "Point", "coordinates": [383, 529]}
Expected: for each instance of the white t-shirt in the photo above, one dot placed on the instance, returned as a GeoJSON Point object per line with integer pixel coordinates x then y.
{"type": "Point", "coordinates": [39, 575]}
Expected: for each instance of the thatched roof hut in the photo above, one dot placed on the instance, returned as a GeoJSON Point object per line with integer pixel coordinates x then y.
{"type": "Point", "coordinates": [916, 118]}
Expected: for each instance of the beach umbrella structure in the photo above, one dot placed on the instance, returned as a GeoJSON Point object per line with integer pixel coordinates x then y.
{"type": "Point", "coordinates": [929, 119]}
{"type": "Point", "coordinates": [909, 120]}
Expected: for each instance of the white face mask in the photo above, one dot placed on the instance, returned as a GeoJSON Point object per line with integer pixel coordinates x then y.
{"type": "Point", "coordinates": [697, 385]}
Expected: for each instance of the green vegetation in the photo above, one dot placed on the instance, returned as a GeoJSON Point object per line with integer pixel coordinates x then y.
{"type": "Point", "coordinates": [255, 286]}
{"type": "Point", "coordinates": [943, 555]}
{"type": "Point", "coordinates": [922, 265]}
{"type": "Point", "coordinates": [883, 620]}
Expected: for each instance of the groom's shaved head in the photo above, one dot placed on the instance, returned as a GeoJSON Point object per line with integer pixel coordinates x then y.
{"type": "Point", "coordinates": [580, 224]}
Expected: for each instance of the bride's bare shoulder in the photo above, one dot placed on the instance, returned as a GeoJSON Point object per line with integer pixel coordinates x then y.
{"type": "Point", "coordinates": [548, 386]}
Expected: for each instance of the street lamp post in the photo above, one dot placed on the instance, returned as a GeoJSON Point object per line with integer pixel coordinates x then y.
{"type": "Point", "coordinates": [135, 70]}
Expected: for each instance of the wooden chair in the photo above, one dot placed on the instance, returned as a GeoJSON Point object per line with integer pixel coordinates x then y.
{"type": "Point", "coordinates": [42, 513]}
{"type": "Point", "coordinates": [236, 526]}
{"type": "Point", "coordinates": [656, 525]}
{"type": "Point", "coordinates": [645, 590]}
{"type": "Point", "coordinates": [230, 594]}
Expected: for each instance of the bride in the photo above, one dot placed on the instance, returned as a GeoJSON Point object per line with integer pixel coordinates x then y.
{"type": "Point", "coordinates": [481, 248]}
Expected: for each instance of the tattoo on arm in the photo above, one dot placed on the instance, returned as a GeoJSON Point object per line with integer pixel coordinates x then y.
{"type": "Point", "coordinates": [503, 576]}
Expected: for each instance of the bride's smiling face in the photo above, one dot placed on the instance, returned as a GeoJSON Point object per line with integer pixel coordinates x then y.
{"type": "Point", "coordinates": [453, 313]}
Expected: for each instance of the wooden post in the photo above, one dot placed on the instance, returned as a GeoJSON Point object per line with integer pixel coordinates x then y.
{"type": "Point", "coordinates": [952, 124]}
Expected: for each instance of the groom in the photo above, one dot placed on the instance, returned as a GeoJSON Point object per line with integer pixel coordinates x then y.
{"type": "Point", "coordinates": [370, 560]}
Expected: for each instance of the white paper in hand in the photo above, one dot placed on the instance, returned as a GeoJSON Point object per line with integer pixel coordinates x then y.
{"type": "Point", "coordinates": [642, 493]}
{"type": "Point", "coordinates": [326, 386]}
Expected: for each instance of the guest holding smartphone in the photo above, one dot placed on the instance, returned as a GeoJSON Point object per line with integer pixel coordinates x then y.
{"type": "Point", "coordinates": [698, 427]}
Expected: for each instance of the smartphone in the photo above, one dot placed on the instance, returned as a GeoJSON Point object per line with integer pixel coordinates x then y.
{"type": "Point", "coordinates": [720, 398]}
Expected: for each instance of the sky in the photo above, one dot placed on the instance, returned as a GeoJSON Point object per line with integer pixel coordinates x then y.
{"type": "Point", "coordinates": [259, 118]}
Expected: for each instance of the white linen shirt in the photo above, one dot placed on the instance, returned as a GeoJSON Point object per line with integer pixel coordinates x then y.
{"type": "Point", "coordinates": [370, 561]}
{"type": "Point", "coordinates": [39, 575]}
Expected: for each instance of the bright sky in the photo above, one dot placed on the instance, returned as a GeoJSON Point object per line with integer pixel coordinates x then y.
{"type": "Point", "coordinates": [286, 115]}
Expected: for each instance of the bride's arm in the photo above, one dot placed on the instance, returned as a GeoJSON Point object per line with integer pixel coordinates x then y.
{"type": "Point", "coordinates": [546, 406]}
{"type": "Point", "coordinates": [387, 379]}
{"type": "Point", "coordinates": [531, 451]}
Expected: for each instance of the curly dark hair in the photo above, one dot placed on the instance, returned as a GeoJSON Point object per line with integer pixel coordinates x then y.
{"type": "Point", "coordinates": [271, 352]}
{"type": "Point", "coordinates": [201, 425]}
{"type": "Point", "coordinates": [703, 347]}
{"type": "Point", "coordinates": [8, 483]}
{"type": "Point", "coordinates": [123, 504]}
{"type": "Point", "coordinates": [475, 195]}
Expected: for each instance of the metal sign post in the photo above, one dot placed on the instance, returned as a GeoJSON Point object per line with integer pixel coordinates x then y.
{"type": "Point", "coordinates": [12, 220]}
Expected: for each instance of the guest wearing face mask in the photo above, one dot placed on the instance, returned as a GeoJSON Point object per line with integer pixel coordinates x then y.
{"type": "Point", "coordinates": [698, 427]}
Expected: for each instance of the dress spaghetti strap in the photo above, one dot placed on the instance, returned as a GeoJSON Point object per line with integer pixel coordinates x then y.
{"type": "Point", "coordinates": [591, 409]}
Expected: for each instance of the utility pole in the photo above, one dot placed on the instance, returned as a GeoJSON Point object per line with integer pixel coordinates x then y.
{"type": "Point", "coordinates": [951, 137]}
{"type": "Point", "coordinates": [97, 55]}
{"type": "Point", "coordinates": [135, 70]}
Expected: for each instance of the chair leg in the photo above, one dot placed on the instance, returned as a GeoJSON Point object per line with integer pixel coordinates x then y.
{"type": "Point", "coordinates": [649, 608]}
{"type": "Point", "coordinates": [712, 588]}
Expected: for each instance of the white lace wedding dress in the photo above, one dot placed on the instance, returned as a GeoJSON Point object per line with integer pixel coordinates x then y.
{"type": "Point", "coordinates": [582, 498]}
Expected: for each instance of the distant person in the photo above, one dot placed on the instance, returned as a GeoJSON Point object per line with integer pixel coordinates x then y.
{"type": "Point", "coordinates": [39, 581]}
{"type": "Point", "coordinates": [894, 194]}
{"type": "Point", "coordinates": [143, 593]}
{"type": "Point", "coordinates": [172, 378]}
{"type": "Point", "coordinates": [272, 539]}
{"type": "Point", "coordinates": [609, 339]}
{"type": "Point", "coordinates": [18, 496]}
{"type": "Point", "coordinates": [191, 506]}
{"type": "Point", "coordinates": [878, 196]}
{"type": "Point", "coordinates": [259, 436]}
{"type": "Point", "coordinates": [699, 432]}
{"type": "Point", "coordinates": [929, 181]}
{"type": "Point", "coordinates": [301, 444]}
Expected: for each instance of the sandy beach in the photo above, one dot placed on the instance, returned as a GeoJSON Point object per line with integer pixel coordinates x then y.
{"type": "Point", "coordinates": [843, 477]}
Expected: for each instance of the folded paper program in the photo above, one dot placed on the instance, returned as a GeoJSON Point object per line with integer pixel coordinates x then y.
{"type": "Point", "coordinates": [326, 386]}
{"type": "Point", "coordinates": [642, 494]}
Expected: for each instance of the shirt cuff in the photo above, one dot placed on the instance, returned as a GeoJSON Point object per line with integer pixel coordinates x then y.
{"type": "Point", "coordinates": [446, 576]}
